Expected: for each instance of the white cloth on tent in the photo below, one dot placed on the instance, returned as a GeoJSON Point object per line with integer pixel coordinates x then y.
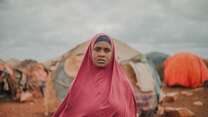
{"type": "Point", "coordinates": [145, 96]}
{"type": "Point", "coordinates": [144, 76]}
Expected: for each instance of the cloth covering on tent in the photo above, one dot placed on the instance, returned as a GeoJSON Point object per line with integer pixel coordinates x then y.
{"type": "Point", "coordinates": [98, 92]}
{"type": "Point", "coordinates": [157, 57]}
{"type": "Point", "coordinates": [185, 69]}
{"type": "Point", "coordinates": [68, 65]}
{"type": "Point", "coordinates": [61, 82]}
{"type": "Point", "coordinates": [146, 95]}
{"type": "Point", "coordinates": [8, 80]}
{"type": "Point", "coordinates": [156, 78]}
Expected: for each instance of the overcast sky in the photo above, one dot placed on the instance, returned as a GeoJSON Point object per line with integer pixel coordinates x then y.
{"type": "Point", "coordinates": [44, 29]}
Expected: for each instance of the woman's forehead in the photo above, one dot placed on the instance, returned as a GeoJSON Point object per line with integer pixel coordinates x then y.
{"type": "Point", "coordinates": [102, 44]}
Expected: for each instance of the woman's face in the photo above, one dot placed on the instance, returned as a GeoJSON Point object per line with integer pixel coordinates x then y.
{"type": "Point", "coordinates": [101, 54]}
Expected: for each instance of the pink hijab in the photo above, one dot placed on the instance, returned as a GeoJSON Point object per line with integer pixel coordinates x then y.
{"type": "Point", "coordinates": [98, 92]}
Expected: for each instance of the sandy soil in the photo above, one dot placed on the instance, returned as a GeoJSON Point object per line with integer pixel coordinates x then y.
{"type": "Point", "coordinates": [27, 109]}
{"type": "Point", "coordinates": [36, 108]}
{"type": "Point", "coordinates": [188, 101]}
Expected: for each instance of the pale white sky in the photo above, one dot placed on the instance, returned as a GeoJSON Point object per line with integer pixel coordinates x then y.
{"type": "Point", "coordinates": [44, 29]}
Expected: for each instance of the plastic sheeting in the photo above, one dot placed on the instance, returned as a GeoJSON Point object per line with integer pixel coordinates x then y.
{"type": "Point", "coordinates": [185, 69]}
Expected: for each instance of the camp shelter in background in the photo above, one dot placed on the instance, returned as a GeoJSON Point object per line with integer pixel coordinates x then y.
{"type": "Point", "coordinates": [157, 59]}
{"type": "Point", "coordinates": [13, 62]}
{"type": "Point", "coordinates": [23, 77]}
{"type": "Point", "coordinates": [145, 80]}
{"type": "Point", "coordinates": [67, 66]}
{"type": "Point", "coordinates": [185, 69]}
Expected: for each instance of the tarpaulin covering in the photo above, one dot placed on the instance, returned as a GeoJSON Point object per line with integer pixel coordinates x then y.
{"type": "Point", "coordinates": [185, 69]}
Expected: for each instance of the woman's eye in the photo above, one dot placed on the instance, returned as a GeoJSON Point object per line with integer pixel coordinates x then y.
{"type": "Point", "coordinates": [107, 50]}
{"type": "Point", "coordinates": [97, 49]}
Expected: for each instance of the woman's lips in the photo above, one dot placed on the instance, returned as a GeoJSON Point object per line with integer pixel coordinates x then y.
{"type": "Point", "coordinates": [101, 61]}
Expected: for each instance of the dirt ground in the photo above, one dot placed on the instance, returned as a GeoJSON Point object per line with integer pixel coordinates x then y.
{"type": "Point", "coordinates": [188, 101]}
{"type": "Point", "coordinates": [16, 109]}
{"type": "Point", "coordinates": [36, 108]}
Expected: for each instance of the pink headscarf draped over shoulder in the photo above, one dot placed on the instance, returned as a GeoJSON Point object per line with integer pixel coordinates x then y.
{"type": "Point", "coordinates": [99, 92]}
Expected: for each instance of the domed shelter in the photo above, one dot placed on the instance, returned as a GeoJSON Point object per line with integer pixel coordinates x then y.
{"type": "Point", "coordinates": [185, 69]}
{"type": "Point", "coordinates": [145, 80]}
{"type": "Point", "coordinates": [70, 62]}
{"type": "Point", "coordinates": [13, 61]}
{"type": "Point", "coordinates": [129, 58]}
{"type": "Point", "coordinates": [157, 59]}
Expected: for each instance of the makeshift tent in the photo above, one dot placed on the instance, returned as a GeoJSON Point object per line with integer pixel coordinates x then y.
{"type": "Point", "coordinates": [156, 77]}
{"type": "Point", "coordinates": [185, 69]}
{"type": "Point", "coordinates": [157, 59]}
{"type": "Point", "coordinates": [24, 76]}
{"type": "Point", "coordinates": [141, 59]}
{"type": "Point", "coordinates": [7, 79]}
{"type": "Point", "coordinates": [61, 81]}
{"type": "Point", "coordinates": [26, 64]}
{"type": "Point", "coordinates": [148, 83]}
{"type": "Point", "coordinates": [13, 62]}
{"type": "Point", "coordinates": [69, 63]}
{"type": "Point", "coordinates": [68, 67]}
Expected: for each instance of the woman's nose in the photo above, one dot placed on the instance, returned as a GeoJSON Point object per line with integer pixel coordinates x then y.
{"type": "Point", "coordinates": [101, 53]}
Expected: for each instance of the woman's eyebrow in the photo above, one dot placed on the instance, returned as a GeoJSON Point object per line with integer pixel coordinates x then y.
{"type": "Point", "coordinates": [97, 47]}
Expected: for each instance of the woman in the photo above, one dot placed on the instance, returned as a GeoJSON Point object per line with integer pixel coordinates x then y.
{"type": "Point", "coordinates": [101, 88]}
